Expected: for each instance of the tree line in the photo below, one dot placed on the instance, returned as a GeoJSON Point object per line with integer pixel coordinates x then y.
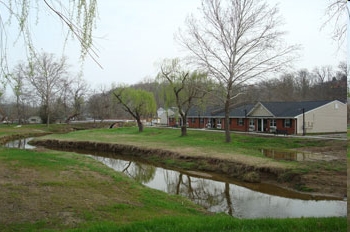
{"type": "Point", "coordinates": [46, 88]}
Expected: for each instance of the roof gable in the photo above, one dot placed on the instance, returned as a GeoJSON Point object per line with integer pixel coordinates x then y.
{"type": "Point", "coordinates": [259, 110]}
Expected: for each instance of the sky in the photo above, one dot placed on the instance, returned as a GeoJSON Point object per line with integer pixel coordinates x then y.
{"type": "Point", "coordinates": [134, 36]}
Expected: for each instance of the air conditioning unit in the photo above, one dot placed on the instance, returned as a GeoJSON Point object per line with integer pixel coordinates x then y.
{"type": "Point", "coordinates": [273, 129]}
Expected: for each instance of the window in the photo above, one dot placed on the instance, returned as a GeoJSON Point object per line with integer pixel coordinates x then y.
{"type": "Point", "coordinates": [272, 122]}
{"type": "Point", "coordinates": [202, 120]}
{"type": "Point", "coordinates": [251, 122]}
{"type": "Point", "coordinates": [288, 123]}
{"type": "Point", "coordinates": [240, 122]}
{"type": "Point", "coordinates": [193, 120]}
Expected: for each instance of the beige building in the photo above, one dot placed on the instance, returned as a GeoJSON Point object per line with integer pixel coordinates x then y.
{"type": "Point", "coordinates": [327, 118]}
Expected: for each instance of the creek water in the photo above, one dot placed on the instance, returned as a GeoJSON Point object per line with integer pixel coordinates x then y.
{"type": "Point", "coordinates": [221, 194]}
{"type": "Point", "coordinates": [297, 156]}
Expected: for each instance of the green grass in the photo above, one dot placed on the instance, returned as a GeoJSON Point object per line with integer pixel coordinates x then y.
{"type": "Point", "coordinates": [225, 223]}
{"type": "Point", "coordinates": [78, 193]}
{"type": "Point", "coordinates": [170, 138]}
{"type": "Point", "coordinates": [63, 191]}
{"type": "Point", "coordinates": [244, 148]}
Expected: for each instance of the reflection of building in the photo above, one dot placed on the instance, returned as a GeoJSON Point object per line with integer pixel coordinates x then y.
{"type": "Point", "coordinates": [275, 117]}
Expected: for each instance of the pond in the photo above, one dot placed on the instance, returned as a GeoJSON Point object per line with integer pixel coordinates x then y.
{"type": "Point", "coordinates": [220, 194]}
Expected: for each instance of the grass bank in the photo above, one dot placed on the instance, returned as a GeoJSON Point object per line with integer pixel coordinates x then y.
{"type": "Point", "coordinates": [63, 191]}
{"type": "Point", "coordinates": [245, 150]}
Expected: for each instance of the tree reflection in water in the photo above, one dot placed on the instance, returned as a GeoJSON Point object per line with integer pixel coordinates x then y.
{"type": "Point", "coordinates": [142, 173]}
{"type": "Point", "coordinates": [216, 196]}
{"type": "Point", "coordinates": [198, 190]}
{"type": "Point", "coordinates": [219, 196]}
{"type": "Point", "coordinates": [20, 143]}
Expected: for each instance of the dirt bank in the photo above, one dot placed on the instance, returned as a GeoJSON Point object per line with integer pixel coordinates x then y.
{"type": "Point", "coordinates": [320, 182]}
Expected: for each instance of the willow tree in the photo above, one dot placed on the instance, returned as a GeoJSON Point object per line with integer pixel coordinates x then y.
{"type": "Point", "coordinates": [140, 104]}
{"type": "Point", "coordinates": [77, 17]}
{"type": "Point", "coordinates": [236, 41]}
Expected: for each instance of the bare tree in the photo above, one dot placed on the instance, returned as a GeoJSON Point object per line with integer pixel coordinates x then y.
{"type": "Point", "coordinates": [18, 85]}
{"type": "Point", "coordinates": [337, 16]}
{"type": "Point", "coordinates": [236, 41]}
{"type": "Point", "coordinates": [48, 78]}
{"type": "Point", "coordinates": [304, 81]}
{"type": "Point", "coordinates": [184, 89]}
{"type": "Point", "coordinates": [78, 92]}
{"type": "Point", "coordinates": [323, 73]}
{"type": "Point", "coordinates": [100, 105]}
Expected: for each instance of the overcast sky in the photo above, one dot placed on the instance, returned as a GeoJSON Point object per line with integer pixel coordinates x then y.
{"type": "Point", "coordinates": [134, 35]}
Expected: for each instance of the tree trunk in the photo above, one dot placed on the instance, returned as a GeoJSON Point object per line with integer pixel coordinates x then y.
{"type": "Point", "coordinates": [184, 126]}
{"type": "Point", "coordinates": [140, 125]}
{"type": "Point", "coordinates": [227, 121]}
{"type": "Point", "coordinates": [48, 120]}
{"type": "Point", "coordinates": [183, 130]}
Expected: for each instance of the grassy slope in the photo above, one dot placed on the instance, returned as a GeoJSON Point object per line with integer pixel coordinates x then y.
{"type": "Point", "coordinates": [244, 148]}
{"type": "Point", "coordinates": [62, 191]}
{"type": "Point", "coordinates": [66, 191]}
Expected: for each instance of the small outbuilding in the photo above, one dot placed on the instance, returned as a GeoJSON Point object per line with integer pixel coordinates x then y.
{"type": "Point", "coordinates": [34, 120]}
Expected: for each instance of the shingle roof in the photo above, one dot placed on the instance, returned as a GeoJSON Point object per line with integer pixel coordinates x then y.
{"type": "Point", "coordinates": [197, 111]}
{"type": "Point", "coordinates": [278, 109]}
{"type": "Point", "coordinates": [239, 111]}
{"type": "Point", "coordinates": [292, 109]}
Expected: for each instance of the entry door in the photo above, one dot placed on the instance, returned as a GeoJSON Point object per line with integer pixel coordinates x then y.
{"type": "Point", "coordinates": [262, 124]}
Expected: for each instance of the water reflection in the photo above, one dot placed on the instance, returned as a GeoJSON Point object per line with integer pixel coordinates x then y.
{"type": "Point", "coordinates": [223, 195]}
{"type": "Point", "coordinates": [218, 196]}
{"type": "Point", "coordinates": [297, 155]}
{"type": "Point", "coordinates": [21, 143]}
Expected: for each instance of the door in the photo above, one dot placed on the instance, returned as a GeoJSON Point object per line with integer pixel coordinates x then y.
{"type": "Point", "coordinates": [262, 125]}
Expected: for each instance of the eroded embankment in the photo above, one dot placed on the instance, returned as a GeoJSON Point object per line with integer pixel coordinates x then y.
{"type": "Point", "coordinates": [323, 183]}
{"type": "Point", "coordinates": [241, 171]}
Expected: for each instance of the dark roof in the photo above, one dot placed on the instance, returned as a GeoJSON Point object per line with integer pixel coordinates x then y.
{"type": "Point", "coordinates": [199, 111]}
{"type": "Point", "coordinates": [278, 109]}
{"type": "Point", "coordinates": [292, 109]}
{"type": "Point", "coordinates": [239, 111]}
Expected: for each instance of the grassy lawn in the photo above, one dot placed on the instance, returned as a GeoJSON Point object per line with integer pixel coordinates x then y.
{"type": "Point", "coordinates": [60, 191]}
{"type": "Point", "coordinates": [244, 148]}
{"type": "Point", "coordinates": [171, 138]}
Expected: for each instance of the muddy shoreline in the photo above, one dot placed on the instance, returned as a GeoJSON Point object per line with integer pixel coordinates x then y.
{"type": "Point", "coordinates": [317, 184]}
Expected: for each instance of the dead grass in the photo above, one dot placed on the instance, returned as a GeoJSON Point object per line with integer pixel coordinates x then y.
{"type": "Point", "coordinates": [63, 190]}
{"type": "Point", "coordinates": [42, 195]}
